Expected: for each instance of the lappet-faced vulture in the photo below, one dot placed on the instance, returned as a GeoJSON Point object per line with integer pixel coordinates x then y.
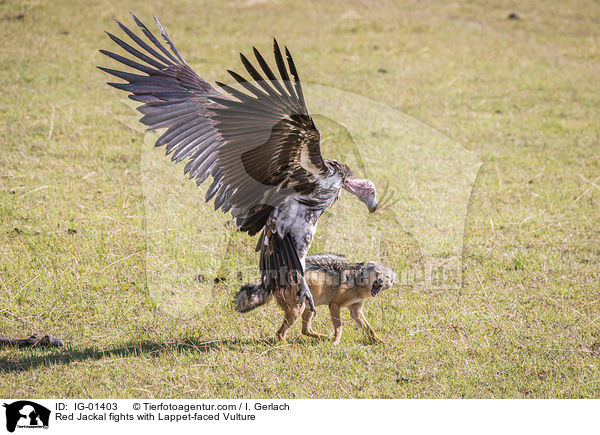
{"type": "Point", "coordinates": [257, 141]}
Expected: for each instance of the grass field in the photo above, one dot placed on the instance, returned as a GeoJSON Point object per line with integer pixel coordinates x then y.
{"type": "Point", "coordinates": [101, 239]}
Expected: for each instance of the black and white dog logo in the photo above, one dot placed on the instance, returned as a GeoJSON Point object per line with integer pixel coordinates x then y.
{"type": "Point", "coordinates": [26, 414]}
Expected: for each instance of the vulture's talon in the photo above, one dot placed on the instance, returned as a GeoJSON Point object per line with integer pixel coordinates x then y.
{"type": "Point", "coordinates": [305, 293]}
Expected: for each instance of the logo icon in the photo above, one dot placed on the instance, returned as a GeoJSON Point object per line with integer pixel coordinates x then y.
{"type": "Point", "coordinates": [26, 414]}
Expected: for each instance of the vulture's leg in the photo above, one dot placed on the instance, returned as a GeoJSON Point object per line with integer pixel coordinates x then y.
{"type": "Point", "coordinates": [304, 290]}
{"type": "Point", "coordinates": [305, 293]}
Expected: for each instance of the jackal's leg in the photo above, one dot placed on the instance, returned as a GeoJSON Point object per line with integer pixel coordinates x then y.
{"type": "Point", "coordinates": [306, 325]}
{"type": "Point", "coordinates": [359, 317]}
{"type": "Point", "coordinates": [291, 315]}
{"type": "Point", "coordinates": [334, 310]}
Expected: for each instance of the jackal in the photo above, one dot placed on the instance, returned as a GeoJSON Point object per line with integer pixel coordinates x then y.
{"type": "Point", "coordinates": [333, 281]}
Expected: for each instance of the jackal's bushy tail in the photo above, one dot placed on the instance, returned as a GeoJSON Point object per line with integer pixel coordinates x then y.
{"type": "Point", "coordinates": [251, 296]}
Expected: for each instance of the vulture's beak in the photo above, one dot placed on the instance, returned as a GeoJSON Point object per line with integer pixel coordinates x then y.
{"type": "Point", "coordinates": [372, 204]}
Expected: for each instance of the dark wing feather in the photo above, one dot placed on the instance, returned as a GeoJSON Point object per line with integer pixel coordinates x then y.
{"type": "Point", "coordinates": [279, 263]}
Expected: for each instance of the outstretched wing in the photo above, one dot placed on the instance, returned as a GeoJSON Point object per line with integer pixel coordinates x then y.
{"type": "Point", "coordinates": [258, 143]}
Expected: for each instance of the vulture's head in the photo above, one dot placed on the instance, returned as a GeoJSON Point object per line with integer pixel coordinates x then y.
{"type": "Point", "coordinates": [364, 190]}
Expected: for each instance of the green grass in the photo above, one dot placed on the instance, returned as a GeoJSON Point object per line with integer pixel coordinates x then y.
{"type": "Point", "coordinates": [92, 250]}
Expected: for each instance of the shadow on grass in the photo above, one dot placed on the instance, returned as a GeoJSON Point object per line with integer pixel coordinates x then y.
{"type": "Point", "coordinates": [142, 348]}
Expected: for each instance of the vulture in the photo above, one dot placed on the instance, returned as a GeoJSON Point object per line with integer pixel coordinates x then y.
{"type": "Point", "coordinates": [256, 140]}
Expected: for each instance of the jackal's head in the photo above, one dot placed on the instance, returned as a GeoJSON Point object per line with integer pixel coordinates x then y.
{"type": "Point", "coordinates": [378, 276]}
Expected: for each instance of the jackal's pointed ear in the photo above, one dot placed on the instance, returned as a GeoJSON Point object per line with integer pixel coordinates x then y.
{"type": "Point", "coordinates": [370, 266]}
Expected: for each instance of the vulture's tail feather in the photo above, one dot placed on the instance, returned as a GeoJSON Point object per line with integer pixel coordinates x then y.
{"type": "Point", "coordinates": [251, 296]}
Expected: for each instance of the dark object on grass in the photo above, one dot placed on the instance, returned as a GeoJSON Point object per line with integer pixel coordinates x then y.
{"type": "Point", "coordinates": [34, 340]}
{"type": "Point", "coordinates": [257, 141]}
{"type": "Point", "coordinates": [513, 16]}
{"type": "Point", "coordinates": [18, 17]}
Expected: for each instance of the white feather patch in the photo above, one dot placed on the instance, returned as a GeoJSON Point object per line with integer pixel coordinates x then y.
{"type": "Point", "coordinates": [306, 163]}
